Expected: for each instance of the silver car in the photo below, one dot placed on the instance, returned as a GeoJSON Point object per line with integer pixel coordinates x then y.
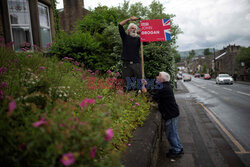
{"type": "Point", "coordinates": [224, 79]}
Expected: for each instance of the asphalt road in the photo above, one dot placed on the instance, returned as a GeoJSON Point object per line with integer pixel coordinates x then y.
{"type": "Point", "coordinates": [230, 104]}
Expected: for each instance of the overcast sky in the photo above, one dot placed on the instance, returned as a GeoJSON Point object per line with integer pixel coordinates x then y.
{"type": "Point", "coordinates": [205, 23]}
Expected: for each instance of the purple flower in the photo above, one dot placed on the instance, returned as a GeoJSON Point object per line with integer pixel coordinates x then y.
{"type": "Point", "coordinates": [29, 56]}
{"type": "Point", "coordinates": [90, 71]}
{"type": "Point", "coordinates": [131, 99]}
{"type": "Point", "coordinates": [39, 123]}
{"type": "Point", "coordinates": [109, 134]}
{"type": "Point", "coordinates": [12, 106]}
{"type": "Point", "coordinates": [23, 49]}
{"type": "Point", "coordinates": [99, 97]}
{"type": "Point", "coordinates": [117, 74]}
{"type": "Point", "coordinates": [93, 151]}
{"type": "Point", "coordinates": [2, 69]}
{"type": "Point", "coordinates": [67, 159]}
{"type": "Point", "coordinates": [3, 84]}
{"type": "Point", "coordinates": [1, 94]}
{"type": "Point", "coordinates": [137, 104]}
{"type": "Point", "coordinates": [42, 68]}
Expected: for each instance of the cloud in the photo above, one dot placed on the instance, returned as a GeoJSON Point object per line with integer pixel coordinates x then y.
{"type": "Point", "coordinates": [211, 23]}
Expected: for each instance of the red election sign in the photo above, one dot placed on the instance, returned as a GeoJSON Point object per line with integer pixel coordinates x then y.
{"type": "Point", "coordinates": [155, 30]}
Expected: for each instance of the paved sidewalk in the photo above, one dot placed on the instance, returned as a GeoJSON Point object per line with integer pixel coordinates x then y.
{"type": "Point", "coordinates": [204, 146]}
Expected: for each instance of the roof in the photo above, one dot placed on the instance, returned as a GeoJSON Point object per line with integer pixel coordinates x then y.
{"type": "Point", "coordinates": [220, 55]}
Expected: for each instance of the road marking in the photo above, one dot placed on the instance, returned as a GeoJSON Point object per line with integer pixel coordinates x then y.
{"type": "Point", "coordinates": [236, 143]}
{"type": "Point", "coordinates": [214, 92]}
{"type": "Point", "coordinates": [243, 93]}
{"type": "Point", "coordinates": [227, 89]}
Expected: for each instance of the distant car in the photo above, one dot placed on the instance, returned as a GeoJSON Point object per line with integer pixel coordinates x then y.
{"type": "Point", "coordinates": [197, 75]}
{"type": "Point", "coordinates": [207, 76]}
{"type": "Point", "coordinates": [224, 79]}
{"type": "Point", "coordinates": [179, 76]}
{"type": "Point", "coordinates": [186, 78]}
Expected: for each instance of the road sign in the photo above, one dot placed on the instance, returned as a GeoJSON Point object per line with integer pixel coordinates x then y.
{"type": "Point", "coordinates": [155, 30]}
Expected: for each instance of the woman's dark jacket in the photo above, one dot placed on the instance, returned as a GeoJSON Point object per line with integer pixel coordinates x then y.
{"type": "Point", "coordinates": [166, 101]}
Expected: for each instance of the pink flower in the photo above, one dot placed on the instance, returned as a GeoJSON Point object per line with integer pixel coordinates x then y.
{"type": "Point", "coordinates": [12, 106]}
{"type": "Point", "coordinates": [91, 101]}
{"type": "Point", "coordinates": [129, 144]}
{"type": "Point", "coordinates": [15, 60]}
{"type": "Point", "coordinates": [92, 74]}
{"type": "Point", "coordinates": [90, 71]}
{"type": "Point", "coordinates": [76, 63]}
{"type": "Point", "coordinates": [39, 123]}
{"type": "Point", "coordinates": [131, 99]}
{"type": "Point", "coordinates": [99, 97]}
{"type": "Point", "coordinates": [42, 68]}
{"type": "Point", "coordinates": [23, 49]}
{"type": "Point", "coordinates": [29, 56]}
{"type": "Point", "coordinates": [109, 72]}
{"type": "Point", "coordinates": [67, 159]}
{"type": "Point", "coordinates": [120, 92]}
{"type": "Point", "coordinates": [117, 74]}
{"type": "Point", "coordinates": [85, 102]}
{"type": "Point", "coordinates": [109, 134]}
{"type": "Point", "coordinates": [137, 104]}
{"type": "Point", "coordinates": [93, 151]}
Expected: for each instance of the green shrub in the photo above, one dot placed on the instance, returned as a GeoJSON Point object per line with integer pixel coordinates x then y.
{"type": "Point", "coordinates": [48, 121]}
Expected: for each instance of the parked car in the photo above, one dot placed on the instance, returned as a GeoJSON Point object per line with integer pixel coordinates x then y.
{"type": "Point", "coordinates": [207, 76]}
{"type": "Point", "coordinates": [186, 78]}
{"type": "Point", "coordinates": [197, 75]}
{"type": "Point", "coordinates": [224, 79]}
{"type": "Point", "coordinates": [179, 76]}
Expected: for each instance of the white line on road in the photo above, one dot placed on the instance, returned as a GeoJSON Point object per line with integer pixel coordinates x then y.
{"type": "Point", "coordinates": [243, 93]}
{"type": "Point", "coordinates": [214, 92]}
{"type": "Point", "coordinates": [227, 89]}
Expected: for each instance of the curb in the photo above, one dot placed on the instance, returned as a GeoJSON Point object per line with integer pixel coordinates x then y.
{"type": "Point", "coordinates": [145, 143]}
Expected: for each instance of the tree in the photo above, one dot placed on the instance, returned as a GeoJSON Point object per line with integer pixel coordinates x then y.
{"type": "Point", "coordinates": [101, 23]}
{"type": "Point", "coordinates": [190, 56]}
{"type": "Point", "coordinates": [206, 52]}
{"type": "Point", "coordinates": [204, 69]}
{"type": "Point", "coordinates": [244, 56]}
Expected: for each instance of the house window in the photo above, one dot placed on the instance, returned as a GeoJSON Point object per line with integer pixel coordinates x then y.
{"type": "Point", "coordinates": [45, 29]}
{"type": "Point", "coordinates": [20, 24]}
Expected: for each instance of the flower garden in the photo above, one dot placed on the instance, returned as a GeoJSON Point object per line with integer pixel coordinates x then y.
{"type": "Point", "coordinates": [49, 116]}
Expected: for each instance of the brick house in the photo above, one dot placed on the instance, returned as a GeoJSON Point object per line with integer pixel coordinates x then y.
{"type": "Point", "coordinates": [73, 10]}
{"type": "Point", "coordinates": [27, 23]}
{"type": "Point", "coordinates": [225, 60]}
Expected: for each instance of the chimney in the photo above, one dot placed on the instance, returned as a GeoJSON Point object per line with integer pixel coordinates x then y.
{"type": "Point", "coordinates": [73, 4]}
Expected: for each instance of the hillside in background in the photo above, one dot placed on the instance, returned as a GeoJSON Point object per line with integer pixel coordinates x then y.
{"type": "Point", "coordinates": [197, 52]}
